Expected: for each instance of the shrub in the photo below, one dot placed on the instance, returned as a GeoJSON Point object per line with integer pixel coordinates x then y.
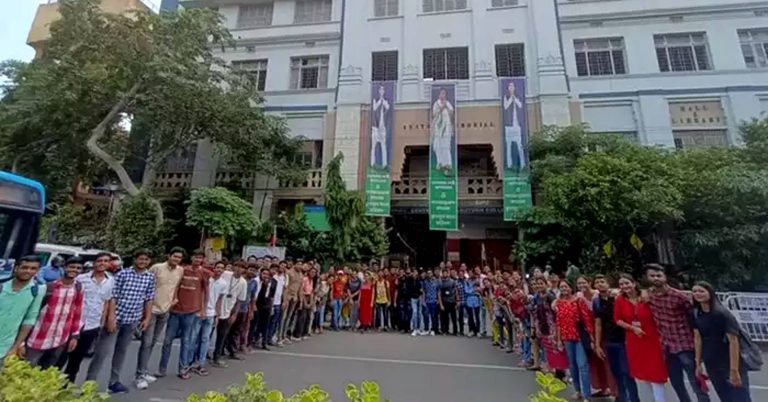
{"type": "Point", "coordinates": [21, 382]}
{"type": "Point", "coordinates": [550, 387]}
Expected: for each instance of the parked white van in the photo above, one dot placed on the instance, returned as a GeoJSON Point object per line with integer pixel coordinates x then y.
{"type": "Point", "coordinates": [47, 252]}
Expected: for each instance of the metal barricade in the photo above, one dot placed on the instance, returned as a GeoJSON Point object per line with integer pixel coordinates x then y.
{"type": "Point", "coordinates": [751, 311]}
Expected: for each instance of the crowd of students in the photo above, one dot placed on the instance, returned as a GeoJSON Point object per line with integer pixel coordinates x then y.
{"type": "Point", "coordinates": [608, 340]}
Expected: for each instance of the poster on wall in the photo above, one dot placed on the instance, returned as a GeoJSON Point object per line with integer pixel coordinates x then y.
{"type": "Point", "coordinates": [378, 181]}
{"type": "Point", "coordinates": [514, 113]}
{"type": "Point", "coordinates": [443, 160]}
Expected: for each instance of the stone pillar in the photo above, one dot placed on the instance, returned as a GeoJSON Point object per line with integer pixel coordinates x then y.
{"type": "Point", "coordinates": [550, 79]}
{"type": "Point", "coordinates": [352, 93]}
{"type": "Point", "coordinates": [204, 171]}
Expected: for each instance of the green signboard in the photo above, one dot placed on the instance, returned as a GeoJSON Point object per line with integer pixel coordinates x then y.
{"type": "Point", "coordinates": [517, 183]}
{"type": "Point", "coordinates": [378, 181]}
{"type": "Point", "coordinates": [443, 160]}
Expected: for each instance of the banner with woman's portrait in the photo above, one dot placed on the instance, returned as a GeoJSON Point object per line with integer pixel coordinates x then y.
{"type": "Point", "coordinates": [514, 137]}
{"type": "Point", "coordinates": [443, 160]}
{"type": "Point", "coordinates": [378, 180]}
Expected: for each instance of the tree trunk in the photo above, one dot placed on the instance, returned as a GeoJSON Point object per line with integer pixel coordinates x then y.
{"type": "Point", "coordinates": [93, 146]}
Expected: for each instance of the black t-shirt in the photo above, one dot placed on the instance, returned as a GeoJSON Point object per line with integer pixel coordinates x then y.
{"type": "Point", "coordinates": [714, 326]}
{"type": "Point", "coordinates": [603, 309]}
{"type": "Point", "coordinates": [406, 288]}
{"type": "Point", "coordinates": [448, 290]}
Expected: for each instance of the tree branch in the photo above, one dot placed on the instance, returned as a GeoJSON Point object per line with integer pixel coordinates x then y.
{"type": "Point", "coordinates": [93, 146]}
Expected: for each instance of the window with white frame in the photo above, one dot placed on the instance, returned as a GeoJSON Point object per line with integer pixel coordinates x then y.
{"type": "Point", "coordinates": [754, 46]}
{"type": "Point", "coordinates": [385, 8]}
{"type": "Point", "coordinates": [510, 60]}
{"type": "Point", "coordinates": [254, 70]}
{"type": "Point", "coordinates": [313, 11]}
{"type": "Point", "coordinates": [433, 6]}
{"type": "Point", "coordinates": [384, 66]}
{"type": "Point", "coordinates": [682, 52]}
{"type": "Point", "coordinates": [504, 3]}
{"type": "Point", "coordinates": [447, 64]}
{"type": "Point", "coordinates": [254, 15]}
{"type": "Point", "coordinates": [604, 56]}
{"type": "Point", "coordinates": [309, 72]}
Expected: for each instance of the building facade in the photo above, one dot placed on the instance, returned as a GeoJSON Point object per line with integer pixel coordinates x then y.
{"type": "Point", "coordinates": [677, 74]}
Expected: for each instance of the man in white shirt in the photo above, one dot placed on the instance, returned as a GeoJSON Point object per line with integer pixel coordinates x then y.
{"type": "Point", "coordinates": [235, 295]}
{"type": "Point", "coordinates": [217, 288]}
{"type": "Point", "coordinates": [279, 276]}
{"type": "Point", "coordinates": [97, 292]}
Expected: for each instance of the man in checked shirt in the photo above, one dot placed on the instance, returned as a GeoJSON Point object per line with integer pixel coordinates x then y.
{"type": "Point", "coordinates": [671, 310]}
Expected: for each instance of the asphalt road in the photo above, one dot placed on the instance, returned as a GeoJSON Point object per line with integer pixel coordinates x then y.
{"type": "Point", "coordinates": [408, 369]}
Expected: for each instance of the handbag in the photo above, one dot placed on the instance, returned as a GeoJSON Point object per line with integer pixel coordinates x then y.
{"type": "Point", "coordinates": [749, 352]}
{"type": "Point", "coordinates": [581, 326]}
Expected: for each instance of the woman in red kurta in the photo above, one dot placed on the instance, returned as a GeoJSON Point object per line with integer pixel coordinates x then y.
{"type": "Point", "coordinates": [644, 354]}
{"type": "Point", "coordinates": [366, 304]}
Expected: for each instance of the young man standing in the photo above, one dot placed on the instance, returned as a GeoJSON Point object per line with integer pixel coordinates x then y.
{"type": "Point", "coordinates": [129, 308]}
{"type": "Point", "coordinates": [227, 332]}
{"type": "Point", "coordinates": [167, 279]}
{"type": "Point", "coordinates": [671, 310]}
{"type": "Point", "coordinates": [403, 295]}
{"type": "Point", "coordinates": [415, 295]}
{"type": "Point", "coordinates": [609, 342]}
{"type": "Point", "coordinates": [277, 302]}
{"type": "Point", "coordinates": [290, 301]}
{"type": "Point", "coordinates": [265, 294]}
{"type": "Point", "coordinates": [338, 292]}
{"type": "Point", "coordinates": [20, 300]}
{"type": "Point", "coordinates": [97, 292]}
{"type": "Point", "coordinates": [460, 279]}
{"type": "Point", "coordinates": [447, 296]}
{"type": "Point", "coordinates": [430, 285]}
{"type": "Point", "coordinates": [190, 306]}
{"type": "Point", "coordinates": [58, 327]}
{"type": "Point", "coordinates": [201, 333]}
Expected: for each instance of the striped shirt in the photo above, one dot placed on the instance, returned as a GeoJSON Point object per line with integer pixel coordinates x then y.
{"type": "Point", "coordinates": [60, 320]}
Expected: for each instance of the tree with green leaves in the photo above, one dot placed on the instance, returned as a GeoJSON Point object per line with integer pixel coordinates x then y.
{"type": "Point", "coordinates": [216, 211]}
{"type": "Point", "coordinates": [66, 116]}
{"type": "Point", "coordinates": [133, 227]}
{"type": "Point", "coordinates": [354, 237]}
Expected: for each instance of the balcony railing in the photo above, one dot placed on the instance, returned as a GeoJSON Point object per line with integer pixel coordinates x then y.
{"type": "Point", "coordinates": [470, 187]}
{"type": "Point", "coordinates": [172, 180]}
{"type": "Point", "coordinates": [244, 179]}
{"type": "Point", "coordinates": [313, 181]}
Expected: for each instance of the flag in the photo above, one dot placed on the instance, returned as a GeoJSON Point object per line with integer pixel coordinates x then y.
{"type": "Point", "coordinates": [483, 257]}
{"type": "Point", "coordinates": [636, 242]}
{"type": "Point", "coordinates": [608, 248]}
{"type": "Point", "coordinates": [273, 239]}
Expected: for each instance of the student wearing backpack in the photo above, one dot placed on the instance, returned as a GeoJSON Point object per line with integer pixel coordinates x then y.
{"type": "Point", "coordinates": [58, 327]}
{"type": "Point", "coordinates": [20, 300]}
{"type": "Point", "coordinates": [719, 342]}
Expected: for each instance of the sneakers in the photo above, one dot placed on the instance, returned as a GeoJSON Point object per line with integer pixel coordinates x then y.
{"type": "Point", "coordinates": [141, 383]}
{"type": "Point", "coordinates": [118, 388]}
{"type": "Point", "coordinates": [415, 333]}
{"type": "Point", "coordinates": [431, 333]}
{"type": "Point", "coordinates": [149, 378]}
{"type": "Point", "coordinates": [219, 364]}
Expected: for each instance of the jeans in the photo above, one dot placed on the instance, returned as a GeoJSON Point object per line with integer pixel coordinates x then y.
{"type": "Point", "coordinates": [319, 317]}
{"type": "Point", "coordinates": [460, 312]}
{"type": "Point", "coordinates": [75, 359]}
{"type": "Point", "coordinates": [201, 341]}
{"type": "Point", "coordinates": [616, 354]}
{"type": "Point", "coordinates": [286, 320]}
{"type": "Point", "coordinates": [262, 325]}
{"type": "Point", "coordinates": [415, 314]}
{"type": "Point", "coordinates": [45, 358]}
{"type": "Point", "coordinates": [274, 321]}
{"type": "Point", "coordinates": [382, 315]}
{"type": "Point", "coordinates": [354, 311]}
{"type": "Point", "coordinates": [337, 304]}
{"type": "Point", "coordinates": [473, 316]}
{"type": "Point", "coordinates": [483, 321]}
{"type": "Point", "coordinates": [185, 323]}
{"type": "Point", "coordinates": [579, 366]}
{"type": "Point", "coordinates": [726, 391]}
{"type": "Point", "coordinates": [405, 314]}
{"type": "Point", "coordinates": [148, 340]}
{"type": "Point", "coordinates": [116, 344]}
{"type": "Point", "coordinates": [676, 364]}
{"type": "Point", "coordinates": [431, 320]}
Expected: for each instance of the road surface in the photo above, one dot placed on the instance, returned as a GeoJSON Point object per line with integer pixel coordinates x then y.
{"type": "Point", "coordinates": [408, 369]}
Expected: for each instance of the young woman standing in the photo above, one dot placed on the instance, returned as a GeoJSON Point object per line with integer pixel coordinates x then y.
{"type": "Point", "coordinates": [366, 303]}
{"type": "Point", "coordinates": [644, 353]}
{"type": "Point", "coordinates": [573, 318]}
{"type": "Point", "coordinates": [716, 334]}
{"type": "Point", "coordinates": [544, 323]}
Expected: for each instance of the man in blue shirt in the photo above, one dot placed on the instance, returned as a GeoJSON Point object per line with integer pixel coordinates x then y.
{"type": "Point", "coordinates": [51, 273]}
{"type": "Point", "coordinates": [430, 284]}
